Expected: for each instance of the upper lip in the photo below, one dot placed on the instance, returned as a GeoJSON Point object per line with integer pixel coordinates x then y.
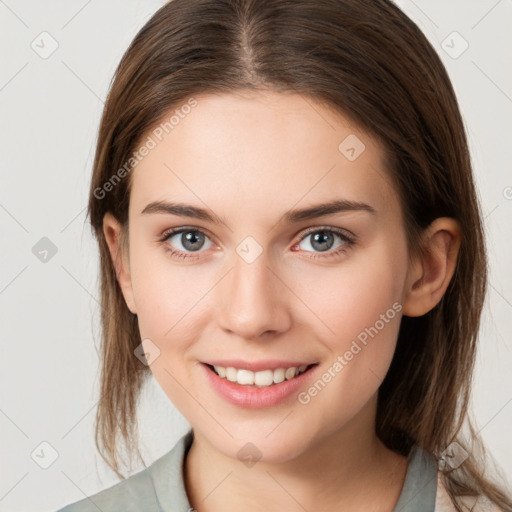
{"type": "Point", "coordinates": [255, 366]}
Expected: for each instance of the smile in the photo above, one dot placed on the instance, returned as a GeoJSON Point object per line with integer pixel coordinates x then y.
{"type": "Point", "coordinates": [258, 387]}
{"type": "Point", "coordinates": [260, 379]}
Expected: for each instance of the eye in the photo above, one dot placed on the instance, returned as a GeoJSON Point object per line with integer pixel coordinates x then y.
{"type": "Point", "coordinates": [185, 240]}
{"type": "Point", "coordinates": [325, 240]}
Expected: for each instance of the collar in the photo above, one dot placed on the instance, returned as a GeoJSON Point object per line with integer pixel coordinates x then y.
{"type": "Point", "coordinates": [418, 493]}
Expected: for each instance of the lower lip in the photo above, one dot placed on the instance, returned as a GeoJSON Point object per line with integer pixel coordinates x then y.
{"type": "Point", "coordinates": [256, 398]}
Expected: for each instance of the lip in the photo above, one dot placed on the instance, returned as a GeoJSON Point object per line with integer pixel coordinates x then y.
{"type": "Point", "coordinates": [256, 398]}
{"type": "Point", "coordinates": [257, 366]}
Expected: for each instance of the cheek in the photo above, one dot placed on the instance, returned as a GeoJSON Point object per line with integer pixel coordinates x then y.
{"type": "Point", "coordinates": [352, 296]}
{"type": "Point", "coordinates": [171, 314]}
{"type": "Point", "coordinates": [167, 296]}
{"type": "Point", "coordinates": [359, 305]}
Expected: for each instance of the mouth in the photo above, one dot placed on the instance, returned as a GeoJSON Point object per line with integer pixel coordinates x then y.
{"type": "Point", "coordinates": [258, 385]}
{"type": "Point", "coordinates": [265, 378]}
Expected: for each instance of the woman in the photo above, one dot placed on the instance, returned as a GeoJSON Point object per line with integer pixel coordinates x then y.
{"type": "Point", "coordinates": [291, 245]}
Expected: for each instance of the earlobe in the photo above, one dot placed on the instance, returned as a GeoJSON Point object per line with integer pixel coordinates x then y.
{"type": "Point", "coordinates": [431, 272]}
{"type": "Point", "coordinates": [112, 230]}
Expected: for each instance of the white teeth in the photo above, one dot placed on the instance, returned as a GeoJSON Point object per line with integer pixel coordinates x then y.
{"type": "Point", "coordinates": [231, 374]}
{"type": "Point", "coordinates": [221, 371]}
{"type": "Point", "coordinates": [279, 375]}
{"type": "Point", "coordinates": [245, 377]}
{"type": "Point", "coordinates": [264, 378]}
{"type": "Point", "coordinates": [260, 379]}
{"type": "Point", "coordinates": [290, 373]}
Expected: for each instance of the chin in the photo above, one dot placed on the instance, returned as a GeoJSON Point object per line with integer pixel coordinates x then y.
{"type": "Point", "coordinates": [255, 443]}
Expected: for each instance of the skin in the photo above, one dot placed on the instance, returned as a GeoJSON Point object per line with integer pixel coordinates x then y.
{"type": "Point", "coordinates": [249, 158]}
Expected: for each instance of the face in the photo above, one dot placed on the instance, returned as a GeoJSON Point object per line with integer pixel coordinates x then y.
{"type": "Point", "coordinates": [256, 276]}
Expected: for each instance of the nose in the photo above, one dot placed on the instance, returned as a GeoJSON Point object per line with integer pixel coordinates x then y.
{"type": "Point", "coordinates": [253, 300]}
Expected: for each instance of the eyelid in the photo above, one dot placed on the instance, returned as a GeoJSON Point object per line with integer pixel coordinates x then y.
{"type": "Point", "coordinates": [340, 231]}
{"type": "Point", "coordinates": [175, 231]}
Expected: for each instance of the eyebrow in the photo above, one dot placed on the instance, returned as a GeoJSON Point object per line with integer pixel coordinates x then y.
{"type": "Point", "coordinates": [291, 216]}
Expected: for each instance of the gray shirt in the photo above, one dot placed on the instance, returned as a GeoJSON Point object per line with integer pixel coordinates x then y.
{"type": "Point", "coordinates": [161, 488]}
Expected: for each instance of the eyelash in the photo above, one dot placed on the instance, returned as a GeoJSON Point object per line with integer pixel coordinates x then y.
{"type": "Point", "coordinates": [349, 241]}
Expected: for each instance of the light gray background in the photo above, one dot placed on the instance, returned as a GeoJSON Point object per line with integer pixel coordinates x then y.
{"type": "Point", "coordinates": [50, 110]}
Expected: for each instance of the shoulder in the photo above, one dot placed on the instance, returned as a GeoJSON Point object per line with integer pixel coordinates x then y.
{"type": "Point", "coordinates": [469, 503]}
{"type": "Point", "coordinates": [134, 493]}
{"type": "Point", "coordinates": [161, 482]}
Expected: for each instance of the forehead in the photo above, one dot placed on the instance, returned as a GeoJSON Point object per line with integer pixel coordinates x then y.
{"type": "Point", "coordinates": [261, 150]}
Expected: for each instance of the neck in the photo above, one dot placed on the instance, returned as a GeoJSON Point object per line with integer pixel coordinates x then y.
{"type": "Point", "coordinates": [349, 465]}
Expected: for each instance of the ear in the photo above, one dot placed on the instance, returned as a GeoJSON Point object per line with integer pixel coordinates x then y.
{"type": "Point", "coordinates": [118, 248]}
{"type": "Point", "coordinates": [429, 273]}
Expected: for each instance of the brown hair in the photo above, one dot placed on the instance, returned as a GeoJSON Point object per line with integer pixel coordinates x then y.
{"type": "Point", "coordinates": [368, 61]}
